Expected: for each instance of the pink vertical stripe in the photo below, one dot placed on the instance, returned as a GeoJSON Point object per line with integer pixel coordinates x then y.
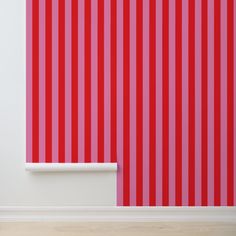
{"type": "Point", "coordinates": [68, 81]}
{"type": "Point", "coordinates": [107, 80]}
{"type": "Point", "coordinates": [198, 101]}
{"type": "Point", "coordinates": [172, 103]}
{"type": "Point", "coordinates": [94, 80]}
{"type": "Point", "coordinates": [185, 102]}
{"type": "Point", "coordinates": [81, 80]}
{"type": "Point", "coordinates": [132, 102]}
{"type": "Point", "coordinates": [159, 102]}
{"type": "Point", "coordinates": [210, 102]}
{"type": "Point", "coordinates": [120, 102]}
{"type": "Point", "coordinates": [146, 103]}
{"type": "Point", "coordinates": [42, 81]}
{"type": "Point", "coordinates": [29, 81]}
{"type": "Point", "coordinates": [55, 81]}
{"type": "Point", "coordinates": [223, 105]}
{"type": "Point", "coordinates": [234, 103]}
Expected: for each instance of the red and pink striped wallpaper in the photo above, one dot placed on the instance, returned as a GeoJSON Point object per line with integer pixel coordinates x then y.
{"type": "Point", "coordinates": [149, 84]}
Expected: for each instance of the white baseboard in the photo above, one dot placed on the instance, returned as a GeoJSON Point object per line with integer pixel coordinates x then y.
{"type": "Point", "coordinates": [104, 214]}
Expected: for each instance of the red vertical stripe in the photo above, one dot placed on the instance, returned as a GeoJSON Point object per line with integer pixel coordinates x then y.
{"type": "Point", "coordinates": [113, 80]}
{"type": "Point", "coordinates": [204, 103]}
{"type": "Point", "coordinates": [165, 105]}
{"type": "Point", "coordinates": [139, 101]}
{"type": "Point", "coordinates": [126, 105]}
{"type": "Point", "coordinates": [35, 81]}
{"type": "Point", "coordinates": [152, 100]}
{"type": "Point", "coordinates": [191, 102]}
{"type": "Point", "coordinates": [87, 81]}
{"type": "Point", "coordinates": [178, 93]}
{"type": "Point", "coordinates": [48, 81]}
{"type": "Point", "coordinates": [74, 85]}
{"type": "Point", "coordinates": [100, 80]}
{"type": "Point", "coordinates": [230, 102]}
{"type": "Point", "coordinates": [217, 149]}
{"type": "Point", "coordinates": [61, 81]}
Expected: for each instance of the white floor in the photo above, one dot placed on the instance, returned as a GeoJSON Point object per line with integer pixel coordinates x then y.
{"type": "Point", "coordinates": [118, 229]}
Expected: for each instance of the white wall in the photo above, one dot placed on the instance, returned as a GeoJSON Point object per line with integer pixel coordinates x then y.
{"type": "Point", "coordinates": [18, 187]}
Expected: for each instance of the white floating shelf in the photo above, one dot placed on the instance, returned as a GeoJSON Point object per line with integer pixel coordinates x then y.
{"type": "Point", "coordinates": [70, 167]}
